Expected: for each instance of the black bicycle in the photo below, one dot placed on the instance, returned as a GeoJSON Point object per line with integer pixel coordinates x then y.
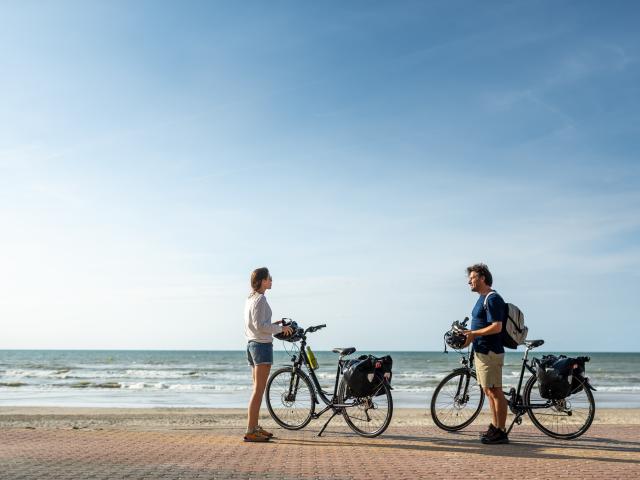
{"type": "Point", "coordinates": [458, 399]}
{"type": "Point", "coordinates": [292, 394]}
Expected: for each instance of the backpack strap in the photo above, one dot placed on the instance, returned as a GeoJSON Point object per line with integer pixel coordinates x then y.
{"type": "Point", "coordinates": [486, 299]}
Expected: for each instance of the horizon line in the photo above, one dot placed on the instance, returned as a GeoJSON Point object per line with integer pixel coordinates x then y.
{"type": "Point", "coordinates": [242, 350]}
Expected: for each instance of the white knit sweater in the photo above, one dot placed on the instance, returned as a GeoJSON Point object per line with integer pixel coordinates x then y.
{"type": "Point", "coordinates": [257, 319]}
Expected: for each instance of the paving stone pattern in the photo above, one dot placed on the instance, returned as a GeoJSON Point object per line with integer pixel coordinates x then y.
{"type": "Point", "coordinates": [402, 453]}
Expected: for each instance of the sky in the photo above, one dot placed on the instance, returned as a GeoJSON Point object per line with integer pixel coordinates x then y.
{"type": "Point", "coordinates": [152, 154]}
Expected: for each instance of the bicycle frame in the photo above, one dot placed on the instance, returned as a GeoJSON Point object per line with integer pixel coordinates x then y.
{"type": "Point", "coordinates": [327, 398]}
{"type": "Point", "coordinates": [515, 400]}
{"type": "Point", "coordinates": [513, 396]}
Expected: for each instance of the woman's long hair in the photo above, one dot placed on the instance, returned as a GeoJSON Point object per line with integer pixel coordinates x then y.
{"type": "Point", "coordinates": [257, 276]}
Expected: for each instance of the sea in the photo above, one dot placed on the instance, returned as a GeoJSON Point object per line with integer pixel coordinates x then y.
{"type": "Point", "coordinates": [222, 379]}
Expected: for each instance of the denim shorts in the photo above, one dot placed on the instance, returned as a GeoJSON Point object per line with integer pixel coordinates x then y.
{"type": "Point", "coordinates": [259, 353]}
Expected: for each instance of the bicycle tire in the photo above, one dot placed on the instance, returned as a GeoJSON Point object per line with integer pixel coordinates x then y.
{"type": "Point", "coordinates": [440, 418]}
{"type": "Point", "coordinates": [284, 412]}
{"type": "Point", "coordinates": [358, 415]}
{"type": "Point", "coordinates": [559, 417]}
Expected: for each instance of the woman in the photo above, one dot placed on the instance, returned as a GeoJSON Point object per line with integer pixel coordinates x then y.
{"type": "Point", "coordinates": [259, 331]}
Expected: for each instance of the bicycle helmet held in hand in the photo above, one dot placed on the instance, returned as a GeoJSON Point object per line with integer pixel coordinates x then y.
{"type": "Point", "coordinates": [295, 336]}
{"type": "Point", "coordinates": [454, 338]}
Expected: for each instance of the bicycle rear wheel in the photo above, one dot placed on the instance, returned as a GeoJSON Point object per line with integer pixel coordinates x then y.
{"type": "Point", "coordinates": [367, 416]}
{"type": "Point", "coordinates": [457, 401]}
{"type": "Point", "coordinates": [290, 398]}
{"type": "Point", "coordinates": [565, 419]}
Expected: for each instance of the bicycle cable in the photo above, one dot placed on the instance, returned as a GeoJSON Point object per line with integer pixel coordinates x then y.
{"type": "Point", "coordinates": [294, 350]}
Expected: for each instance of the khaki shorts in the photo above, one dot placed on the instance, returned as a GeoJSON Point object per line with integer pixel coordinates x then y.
{"type": "Point", "coordinates": [489, 369]}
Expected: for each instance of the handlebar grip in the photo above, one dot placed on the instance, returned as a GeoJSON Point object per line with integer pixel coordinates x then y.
{"type": "Point", "coordinates": [315, 328]}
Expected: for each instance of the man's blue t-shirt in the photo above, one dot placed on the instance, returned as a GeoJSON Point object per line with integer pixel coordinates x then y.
{"type": "Point", "coordinates": [496, 311]}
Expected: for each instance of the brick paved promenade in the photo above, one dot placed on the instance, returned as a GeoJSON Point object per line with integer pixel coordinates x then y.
{"type": "Point", "coordinates": [403, 452]}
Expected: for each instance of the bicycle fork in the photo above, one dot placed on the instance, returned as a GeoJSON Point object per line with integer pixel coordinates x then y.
{"type": "Point", "coordinates": [294, 381]}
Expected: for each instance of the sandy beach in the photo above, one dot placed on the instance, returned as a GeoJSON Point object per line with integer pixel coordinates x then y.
{"type": "Point", "coordinates": [64, 443]}
{"type": "Point", "coordinates": [168, 418]}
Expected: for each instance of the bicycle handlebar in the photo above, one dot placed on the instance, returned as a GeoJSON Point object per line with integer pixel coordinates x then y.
{"type": "Point", "coordinates": [458, 326]}
{"type": "Point", "coordinates": [289, 322]}
{"type": "Point", "coordinates": [315, 328]}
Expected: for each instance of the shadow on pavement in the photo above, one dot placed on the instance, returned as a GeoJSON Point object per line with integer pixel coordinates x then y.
{"type": "Point", "coordinates": [523, 445]}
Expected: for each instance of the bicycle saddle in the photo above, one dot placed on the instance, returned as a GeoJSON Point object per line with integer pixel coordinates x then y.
{"type": "Point", "coordinates": [344, 351]}
{"type": "Point", "coordinates": [534, 343]}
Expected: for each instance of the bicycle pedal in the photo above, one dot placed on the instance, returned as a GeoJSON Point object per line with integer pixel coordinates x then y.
{"type": "Point", "coordinates": [519, 420]}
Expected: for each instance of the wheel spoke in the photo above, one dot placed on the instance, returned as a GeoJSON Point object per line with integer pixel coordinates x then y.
{"type": "Point", "coordinates": [290, 411]}
{"type": "Point", "coordinates": [451, 408]}
{"type": "Point", "coordinates": [566, 418]}
{"type": "Point", "coordinates": [369, 416]}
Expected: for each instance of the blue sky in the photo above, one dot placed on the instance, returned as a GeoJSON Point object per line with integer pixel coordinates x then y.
{"type": "Point", "coordinates": [153, 153]}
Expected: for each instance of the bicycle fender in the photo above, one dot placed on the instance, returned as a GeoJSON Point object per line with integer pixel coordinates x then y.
{"type": "Point", "coordinates": [591, 387]}
{"type": "Point", "coordinates": [386, 382]}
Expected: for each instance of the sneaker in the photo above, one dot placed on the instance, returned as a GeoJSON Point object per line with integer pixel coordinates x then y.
{"type": "Point", "coordinates": [263, 432]}
{"type": "Point", "coordinates": [498, 437]}
{"type": "Point", "coordinates": [255, 436]}
{"type": "Point", "coordinates": [489, 431]}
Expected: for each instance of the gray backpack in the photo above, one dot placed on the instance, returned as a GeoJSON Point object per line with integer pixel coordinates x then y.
{"type": "Point", "coordinates": [514, 331]}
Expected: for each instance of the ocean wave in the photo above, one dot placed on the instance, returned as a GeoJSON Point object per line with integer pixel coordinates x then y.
{"type": "Point", "coordinates": [97, 375]}
{"type": "Point", "coordinates": [203, 388]}
{"type": "Point", "coordinates": [143, 386]}
{"type": "Point", "coordinates": [19, 373]}
{"type": "Point", "coordinates": [40, 366]}
{"type": "Point", "coordinates": [93, 385]}
{"type": "Point", "coordinates": [175, 374]}
{"type": "Point", "coordinates": [620, 389]}
{"type": "Point", "coordinates": [186, 387]}
{"type": "Point", "coordinates": [409, 388]}
{"type": "Point", "coordinates": [419, 375]}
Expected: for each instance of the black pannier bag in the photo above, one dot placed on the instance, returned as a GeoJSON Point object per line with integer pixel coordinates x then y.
{"type": "Point", "coordinates": [578, 382]}
{"type": "Point", "coordinates": [552, 384]}
{"type": "Point", "coordinates": [559, 377]}
{"type": "Point", "coordinates": [365, 374]}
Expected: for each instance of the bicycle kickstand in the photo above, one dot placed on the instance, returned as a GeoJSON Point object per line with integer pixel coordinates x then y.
{"type": "Point", "coordinates": [517, 419]}
{"type": "Point", "coordinates": [335, 412]}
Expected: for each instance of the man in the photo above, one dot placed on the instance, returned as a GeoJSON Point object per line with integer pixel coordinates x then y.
{"type": "Point", "coordinates": [488, 316]}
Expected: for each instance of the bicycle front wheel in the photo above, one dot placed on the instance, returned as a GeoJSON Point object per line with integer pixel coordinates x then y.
{"type": "Point", "coordinates": [457, 401]}
{"type": "Point", "coordinates": [367, 416]}
{"type": "Point", "coordinates": [290, 398]}
{"type": "Point", "coordinates": [565, 419]}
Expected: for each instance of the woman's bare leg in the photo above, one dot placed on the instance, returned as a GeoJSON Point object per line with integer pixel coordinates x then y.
{"type": "Point", "coordinates": [260, 377]}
